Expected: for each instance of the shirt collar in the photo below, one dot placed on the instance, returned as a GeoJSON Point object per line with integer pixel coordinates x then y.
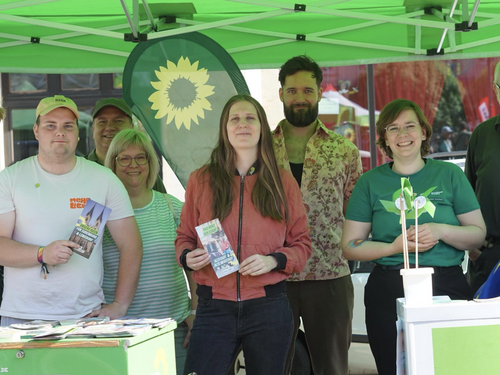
{"type": "Point", "coordinates": [321, 129]}
{"type": "Point", "coordinates": [497, 124]}
{"type": "Point", "coordinates": [253, 169]}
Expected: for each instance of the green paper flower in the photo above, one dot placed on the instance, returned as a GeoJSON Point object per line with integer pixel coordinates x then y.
{"type": "Point", "coordinates": [412, 203]}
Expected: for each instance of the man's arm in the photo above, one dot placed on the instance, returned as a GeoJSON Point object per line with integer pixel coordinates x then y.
{"type": "Point", "coordinates": [125, 233]}
{"type": "Point", "coordinates": [20, 255]}
{"type": "Point", "coordinates": [14, 254]}
{"type": "Point", "coordinates": [353, 174]}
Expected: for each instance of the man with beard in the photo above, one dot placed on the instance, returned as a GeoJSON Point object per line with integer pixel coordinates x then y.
{"type": "Point", "coordinates": [326, 167]}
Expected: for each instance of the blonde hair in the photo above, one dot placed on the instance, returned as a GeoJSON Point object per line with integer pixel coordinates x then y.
{"type": "Point", "coordinates": [130, 138]}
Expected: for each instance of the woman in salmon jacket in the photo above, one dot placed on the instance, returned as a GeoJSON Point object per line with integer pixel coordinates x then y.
{"type": "Point", "coordinates": [260, 208]}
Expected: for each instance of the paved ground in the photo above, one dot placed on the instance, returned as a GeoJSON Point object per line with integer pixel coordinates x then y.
{"type": "Point", "coordinates": [361, 361]}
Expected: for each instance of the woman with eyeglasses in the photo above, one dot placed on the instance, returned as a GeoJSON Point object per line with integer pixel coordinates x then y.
{"type": "Point", "coordinates": [162, 290]}
{"type": "Point", "coordinates": [456, 225]}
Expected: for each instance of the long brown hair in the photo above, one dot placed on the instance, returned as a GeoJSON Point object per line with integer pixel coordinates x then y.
{"type": "Point", "coordinates": [268, 194]}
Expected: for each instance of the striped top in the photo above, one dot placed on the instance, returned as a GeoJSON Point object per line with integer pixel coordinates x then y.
{"type": "Point", "coordinates": [162, 290]}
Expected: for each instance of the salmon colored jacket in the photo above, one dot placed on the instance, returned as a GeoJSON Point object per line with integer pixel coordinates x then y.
{"type": "Point", "coordinates": [259, 235]}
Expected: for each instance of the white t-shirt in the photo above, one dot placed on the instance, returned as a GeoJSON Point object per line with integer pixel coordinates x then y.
{"type": "Point", "coordinates": [47, 207]}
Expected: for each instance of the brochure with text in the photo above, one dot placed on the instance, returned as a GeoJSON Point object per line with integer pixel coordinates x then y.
{"type": "Point", "coordinates": [214, 240]}
{"type": "Point", "coordinates": [89, 227]}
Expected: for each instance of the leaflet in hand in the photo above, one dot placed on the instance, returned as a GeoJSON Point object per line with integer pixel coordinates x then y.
{"type": "Point", "coordinates": [89, 227]}
{"type": "Point", "coordinates": [219, 249]}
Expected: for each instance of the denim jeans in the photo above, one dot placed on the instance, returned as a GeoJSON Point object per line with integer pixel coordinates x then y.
{"type": "Point", "coordinates": [263, 326]}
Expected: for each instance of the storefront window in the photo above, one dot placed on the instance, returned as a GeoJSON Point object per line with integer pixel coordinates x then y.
{"type": "Point", "coordinates": [23, 139]}
{"type": "Point", "coordinates": [118, 80]}
{"type": "Point", "coordinates": [27, 83]}
{"type": "Point", "coordinates": [80, 81]}
{"type": "Point", "coordinates": [23, 92]}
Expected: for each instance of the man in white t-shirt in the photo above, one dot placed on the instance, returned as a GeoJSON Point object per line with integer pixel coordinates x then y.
{"type": "Point", "coordinates": [41, 199]}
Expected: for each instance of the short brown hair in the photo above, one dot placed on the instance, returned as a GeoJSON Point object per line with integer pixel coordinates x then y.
{"type": "Point", "coordinates": [390, 112]}
{"type": "Point", "coordinates": [299, 64]}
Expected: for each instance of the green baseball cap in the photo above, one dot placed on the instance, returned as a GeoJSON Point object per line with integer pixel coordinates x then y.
{"type": "Point", "coordinates": [113, 102]}
{"type": "Point", "coordinates": [57, 101]}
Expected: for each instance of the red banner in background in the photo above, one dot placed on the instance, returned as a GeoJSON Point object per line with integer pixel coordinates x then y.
{"type": "Point", "coordinates": [475, 82]}
{"type": "Point", "coordinates": [420, 81]}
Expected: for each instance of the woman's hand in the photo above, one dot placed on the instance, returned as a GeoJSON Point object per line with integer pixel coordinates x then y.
{"type": "Point", "coordinates": [422, 246]}
{"type": "Point", "coordinates": [427, 233]}
{"type": "Point", "coordinates": [197, 259]}
{"type": "Point", "coordinates": [257, 264]}
{"type": "Point", "coordinates": [114, 311]}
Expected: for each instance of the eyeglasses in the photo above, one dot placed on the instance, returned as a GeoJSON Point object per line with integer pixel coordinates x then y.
{"type": "Point", "coordinates": [497, 85]}
{"type": "Point", "coordinates": [126, 161]}
{"type": "Point", "coordinates": [409, 127]}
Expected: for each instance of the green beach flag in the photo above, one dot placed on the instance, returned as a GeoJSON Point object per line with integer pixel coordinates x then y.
{"type": "Point", "coordinates": [177, 87]}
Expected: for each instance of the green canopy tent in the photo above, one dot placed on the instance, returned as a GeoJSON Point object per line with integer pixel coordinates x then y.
{"type": "Point", "coordinates": [97, 36]}
{"type": "Point", "coordinates": [90, 36]}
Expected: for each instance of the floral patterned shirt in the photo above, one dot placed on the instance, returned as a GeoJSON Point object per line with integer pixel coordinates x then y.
{"type": "Point", "coordinates": [332, 166]}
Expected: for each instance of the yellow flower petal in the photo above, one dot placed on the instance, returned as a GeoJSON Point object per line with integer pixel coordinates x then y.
{"type": "Point", "coordinates": [167, 79]}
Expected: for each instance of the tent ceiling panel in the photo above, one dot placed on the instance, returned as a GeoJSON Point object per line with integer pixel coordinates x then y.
{"type": "Point", "coordinates": [83, 36]}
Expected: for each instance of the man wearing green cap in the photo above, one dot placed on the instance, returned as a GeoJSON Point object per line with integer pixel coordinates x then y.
{"type": "Point", "coordinates": [110, 116]}
{"type": "Point", "coordinates": [41, 200]}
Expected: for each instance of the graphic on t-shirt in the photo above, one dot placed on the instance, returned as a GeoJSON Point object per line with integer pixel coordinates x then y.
{"type": "Point", "coordinates": [407, 205]}
{"type": "Point", "coordinates": [411, 202]}
{"type": "Point", "coordinates": [89, 227]}
{"type": "Point", "coordinates": [75, 203]}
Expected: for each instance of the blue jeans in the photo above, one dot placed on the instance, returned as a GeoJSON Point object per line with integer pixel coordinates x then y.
{"type": "Point", "coordinates": [263, 326]}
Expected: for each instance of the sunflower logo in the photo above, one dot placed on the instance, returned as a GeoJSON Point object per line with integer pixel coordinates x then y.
{"type": "Point", "coordinates": [181, 93]}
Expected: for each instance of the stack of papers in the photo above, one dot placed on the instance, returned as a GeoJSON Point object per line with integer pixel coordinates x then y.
{"type": "Point", "coordinates": [82, 328]}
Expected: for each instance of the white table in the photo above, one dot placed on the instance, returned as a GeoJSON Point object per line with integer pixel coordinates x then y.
{"type": "Point", "coordinates": [449, 338]}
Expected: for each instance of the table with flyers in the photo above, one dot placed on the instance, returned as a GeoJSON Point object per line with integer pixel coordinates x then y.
{"type": "Point", "coordinates": [150, 353]}
{"type": "Point", "coordinates": [449, 337]}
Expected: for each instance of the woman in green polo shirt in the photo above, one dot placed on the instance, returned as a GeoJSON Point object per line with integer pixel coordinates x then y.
{"type": "Point", "coordinates": [457, 225]}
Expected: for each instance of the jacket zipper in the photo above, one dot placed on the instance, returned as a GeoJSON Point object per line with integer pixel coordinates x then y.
{"type": "Point", "coordinates": [238, 251]}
